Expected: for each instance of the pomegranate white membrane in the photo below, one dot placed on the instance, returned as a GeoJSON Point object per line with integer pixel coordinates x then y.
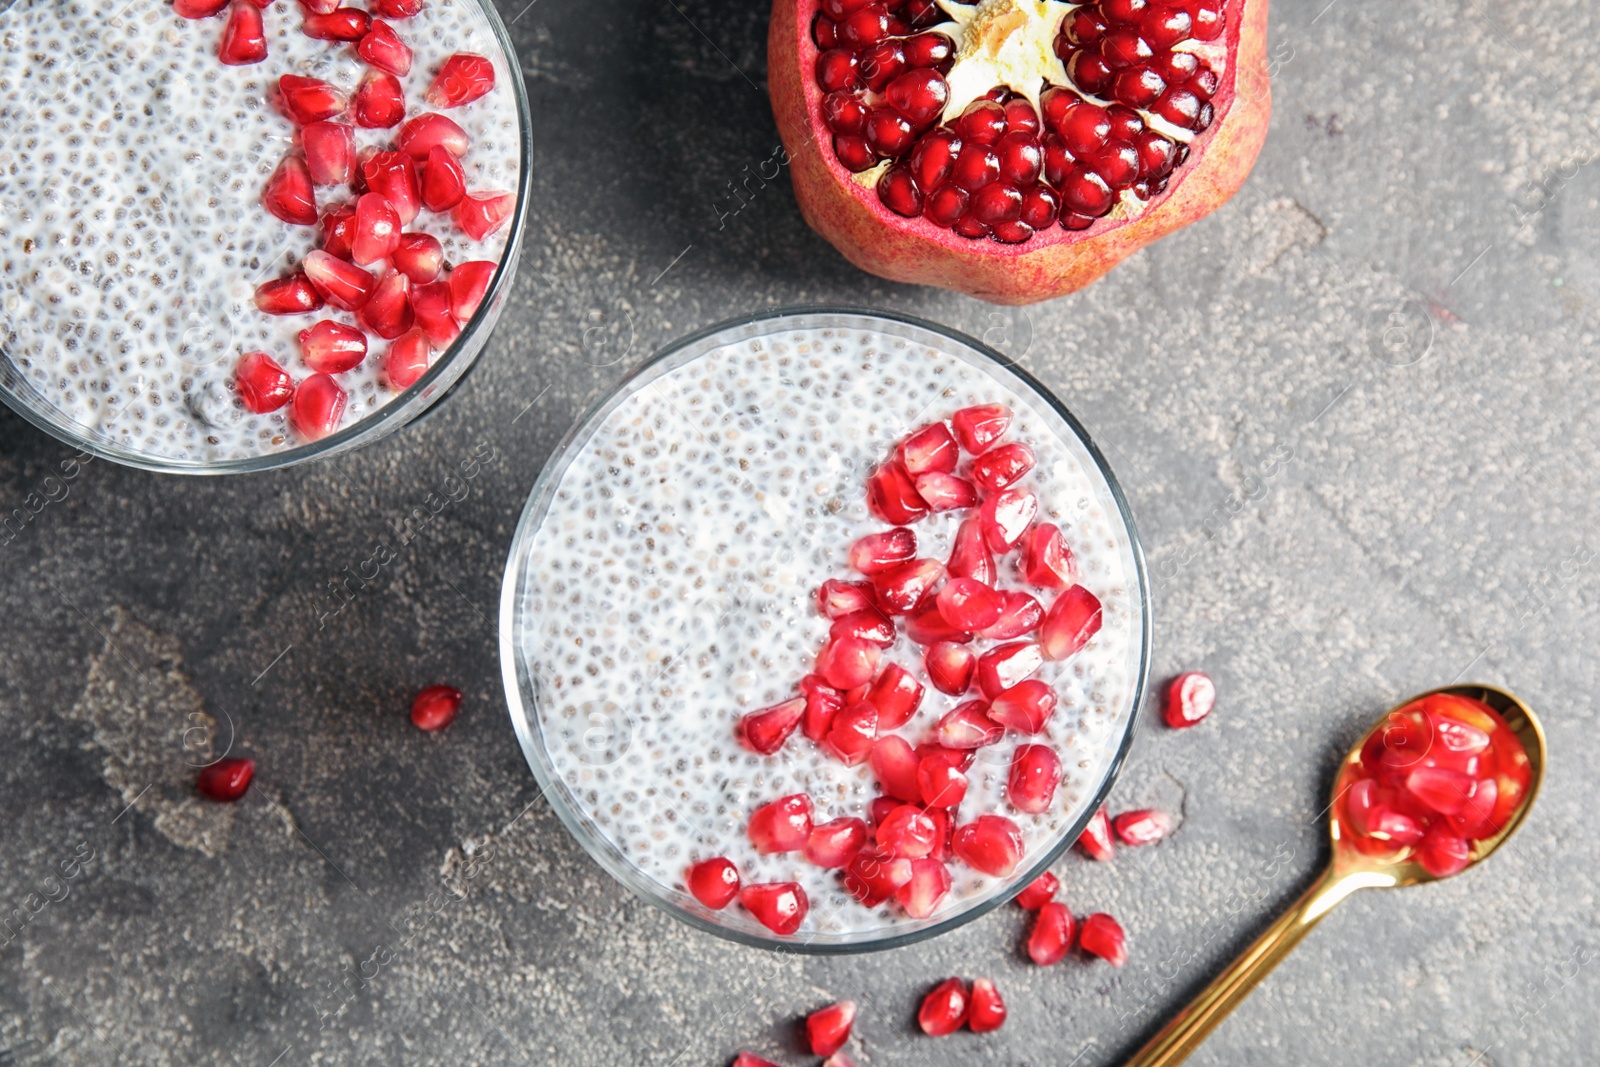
{"type": "Point", "coordinates": [133, 164]}
{"type": "Point", "coordinates": [670, 587]}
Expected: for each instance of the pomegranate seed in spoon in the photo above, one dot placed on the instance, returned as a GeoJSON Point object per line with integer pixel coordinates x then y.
{"type": "Point", "coordinates": [332, 347]}
{"type": "Point", "coordinates": [288, 193]}
{"type": "Point", "coordinates": [1041, 891]}
{"type": "Point", "coordinates": [714, 882]}
{"type": "Point", "coordinates": [1035, 774]}
{"type": "Point", "coordinates": [435, 707]}
{"type": "Point", "coordinates": [307, 100]}
{"type": "Point", "coordinates": [379, 101]}
{"type": "Point", "coordinates": [1095, 841]}
{"type": "Point", "coordinates": [244, 38]}
{"type": "Point", "coordinates": [979, 427]}
{"type": "Point", "coordinates": [263, 385]}
{"type": "Point", "coordinates": [318, 406]}
{"type": "Point", "coordinates": [463, 78]}
{"type": "Point", "coordinates": [480, 214]}
{"type": "Point", "coordinates": [766, 730]}
{"type": "Point", "coordinates": [879, 552]}
{"type": "Point", "coordinates": [1190, 698]}
{"type": "Point", "coordinates": [420, 257]}
{"type": "Point", "coordinates": [988, 1011]}
{"type": "Point", "coordinates": [340, 24]}
{"type": "Point", "coordinates": [1102, 936]}
{"type": "Point", "coordinates": [1025, 707]}
{"type": "Point", "coordinates": [226, 780]}
{"type": "Point", "coordinates": [407, 359]}
{"type": "Point", "coordinates": [944, 1009]}
{"type": "Point", "coordinates": [444, 183]}
{"type": "Point", "coordinates": [779, 906]}
{"type": "Point", "coordinates": [1047, 562]}
{"type": "Point", "coordinates": [1072, 620]}
{"type": "Point", "coordinates": [384, 49]}
{"type": "Point", "coordinates": [990, 843]}
{"type": "Point", "coordinates": [1051, 936]}
{"type": "Point", "coordinates": [1002, 466]}
{"type": "Point", "coordinates": [835, 843]}
{"type": "Point", "coordinates": [928, 885]}
{"type": "Point", "coordinates": [827, 1029]}
{"type": "Point", "coordinates": [781, 826]}
{"type": "Point", "coordinates": [930, 449]}
{"type": "Point", "coordinates": [1143, 827]}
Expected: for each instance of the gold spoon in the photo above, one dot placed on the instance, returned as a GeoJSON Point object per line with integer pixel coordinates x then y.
{"type": "Point", "coordinates": [1349, 871]}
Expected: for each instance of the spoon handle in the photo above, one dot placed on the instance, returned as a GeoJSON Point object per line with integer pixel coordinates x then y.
{"type": "Point", "coordinates": [1206, 1011]}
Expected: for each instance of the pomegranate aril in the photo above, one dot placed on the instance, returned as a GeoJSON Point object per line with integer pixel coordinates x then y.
{"type": "Point", "coordinates": [1102, 936]}
{"type": "Point", "coordinates": [480, 214]}
{"type": "Point", "coordinates": [1047, 562]}
{"type": "Point", "coordinates": [1051, 936]}
{"type": "Point", "coordinates": [929, 883]}
{"type": "Point", "coordinates": [836, 598]}
{"type": "Point", "coordinates": [1090, 72]}
{"type": "Point", "coordinates": [968, 726]}
{"type": "Point", "coordinates": [997, 203]}
{"type": "Point", "coordinates": [435, 707]}
{"type": "Point", "coordinates": [833, 844]}
{"type": "Point", "coordinates": [932, 161]}
{"type": "Point", "coordinates": [1086, 193]}
{"type": "Point", "coordinates": [344, 285]}
{"type": "Point", "coordinates": [226, 780]}
{"type": "Point", "coordinates": [330, 149]}
{"type": "Point", "coordinates": [851, 734]}
{"type": "Point", "coordinates": [387, 311]}
{"type": "Point", "coordinates": [341, 24]}
{"type": "Point", "coordinates": [896, 695]}
{"type": "Point", "coordinates": [1207, 21]}
{"type": "Point", "coordinates": [397, 9]}
{"type": "Point", "coordinates": [263, 386]}
{"type": "Point", "coordinates": [950, 667]}
{"type": "Point", "coordinates": [1019, 614]}
{"type": "Point", "coordinates": [892, 495]}
{"type": "Point", "coordinates": [822, 704]}
{"type": "Point", "coordinates": [1180, 107]}
{"type": "Point", "coordinates": [919, 95]}
{"type": "Point", "coordinates": [1041, 891]}
{"type": "Point", "coordinates": [407, 359]}
{"type": "Point", "coordinates": [1025, 707]}
{"type": "Point", "coordinates": [941, 783]}
{"type": "Point", "coordinates": [1190, 698]}
{"type": "Point", "coordinates": [288, 194]}
{"type": "Point", "coordinates": [1445, 791]}
{"type": "Point", "coordinates": [894, 764]}
{"type": "Point", "coordinates": [1035, 774]}
{"type": "Point", "coordinates": [838, 71]}
{"type": "Point", "coordinates": [827, 1029]}
{"type": "Point", "coordinates": [430, 309]}
{"type": "Point", "coordinates": [468, 283]}
{"type": "Point", "coordinates": [864, 28]}
{"type": "Point", "coordinates": [244, 37]}
{"type": "Point", "coordinates": [463, 78]}
{"type": "Point", "coordinates": [779, 906]}
{"type": "Point", "coordinates": [971, 226]}
{"type": "Point", "coordinates": [873, 876]}
{"type": "Point", "coordinates": [419, 256]}
{"type": "Point", "coordinates": [332, 347]}
{"type": "Point", "coordinates": [198, 9]}
{"type": "Point", "coordinates": [930, 449]}
{"type": "Point", "coordinates": [969, 555]}
{"type": "Point", "coordinates": [990, 843]}
{"type": "Point", "coordinates": [907, 831]}
{"type": "Point", "coordinates": [1145, 826]}
{"type": "Point", "coordinates": [784, 825]}
{"type": "Point", "coordinates": [379, 102]}
{"type": "Point", "coordinates": [976, 428]}
{"type": "Point", "coordinates": [1095, 841]}
{"type": "Point", "coordinates": [317, 7]}
{"type": "Point", "coordinates": [307, 100]}
{"type": "Point", "coordinates": [825, 33]}
{"type": "Point", "coordinates": [968, 604]}
{"type": "Point", "coordinates": [926, 626]}
{"type": "Point", "coordinates": [879, 552]}
{"type": "Point", "coordinates": [376, 234]}
{"type": "Point", "coordinates": [854, 152]}
{"type": "Point", "coordinates": [422, 134]}
{"type": "Point", "coordinates": [318, 406]}
{"type": "Point", "coordinates": [848, 662]}
{"type": "Point", "coordinates": [933, 50]}
{"type": "Point", "coordinates": [1072, 620]}
{"type": "Point", "coordinates": [1013, 232]}
{"type": "Point", "coordinates": [766, 730]}
{"type": "Point", "coordinates": [393, 176]}
{"type": "Point", "coordinates": [1005, 517]}
{"type": "Point", "coordinates": [902, 588]}
{"type": "Point", "coordinates": [294, 295]}
{"type": "Point", "coordinates": [383, 48]}
{"type": "Point", "coordinates": [844, 113]}
{"type": "Point", "coordinates": [976, 166]}
{"type": "Point", "coordinates": [339, 231]}
{"type": "Point", "coordinates": [714, 882]}
{"type": "Point", "coordinates": [881, 64]}
{"type": "Point", "coordinates": [1442, 853]}
{"type": "Point", "coordinates": [945, 492]}
{"type": "Point", "coordinates": [888, 133]}
{"type": "Point", "coordinates": [944, 1009]}
{"type": "Point", "coordinates": [870, 625]}
{"type": "Point", "coordinates": [946, 206]}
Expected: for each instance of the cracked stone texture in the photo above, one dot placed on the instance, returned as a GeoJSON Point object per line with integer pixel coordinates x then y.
{"type": "Point", "coordinates": [1354, 411]}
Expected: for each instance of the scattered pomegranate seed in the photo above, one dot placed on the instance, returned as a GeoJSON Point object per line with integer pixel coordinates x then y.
{"type": "Point", "coordinates": [387, 311]}
{"type": "Point", "coordinates": [481, 214]}
{"type": "Point", "coordinates": [968, 604]}
{"type": "Point", "coordinates": [1072, 620]}
{"type": "Point", "coordinates": [344, 285]}
{"type": "Point", "coordinates": [1041, 891]}
{"type": "Point", "coordinates": [902, 588]}
{"type": "Point", "coordinates": [318, 407]}
{"type": "Point", "coordinates": [944, 1009]}
{"type": "Point", "coordinates": [929, 883]}
{"type": "Point", "coordinates": [1051, 936]}
{"type": "Point", "coordinates": [827, 1029]}
{"type": "Point", "coordinates": [1102, 936]}
{"type": "Point", "coordinates": [1047, 562]}
{"type": "Point", "coordinates": [1095, 841]}
{"type": "Point", "coordinates": [468, 283]}
{"type": "Point", "coordinates": [988, 1011]}
{"type": "Point", "coordinates": [927, 627]}
{"type": "Point", "coordinates": [384, 49]}
{"type": "Point", "coordinates": [979, 427]}
{"type": "Point", "coordinates": [1019, 614]}
{"type": "Point", "coordinates": [226, 780]}
{"type": "Point", "coordinates": [945, 492]}
{"type": "Point", "coordinates": [894, 764]}
{"type": "Point", "coordinates": [1025, 707]}
{"type": "Point", "coordinates": [870, 625]}
{"type": "Point", "coordinates": [892, 495]}
{"type": "Point", "coordinates": [422, 134]}
{"type": "Point", "coordinates": [896, 695]}
{"type": "Point", "coordinates": [835, 843]}
{"type": "Point", "coordinates": [379, 102]}
{"type": "Point", "coordinates": [198, 9]}
{"type": "Point", "coordinates": [822, 704]}
{"type": "Point", "coordinates": [836, 598]}
{"type": "Point", "coordinates": [848, 662]}
{"type": "Point", "coordinates": [1005, 517]}
{"type": "Point", "coordinates": [942, 783]}
{"type": "Point", "coordinates": [714, 882]}
{"type": "Point", "coordinates": [307, 100]}
{"type": "Point", "coordinates": [968, 726]}
{"type": "Point", "coordinates": [244, 38]}
{"type": "Point", "coordinates": [330, 149]}
{"type": "Point", "coordinates": [339, 230]}
{"type": "Point", "coordinates": [873, 876]}
{"type": "Point", "coordinates": [950, 667]}
{"type": "Point", "coordinates": [377, 232]}
{"type": "Point", "coordinates": [1035, 774]}
{"type": "Point", "coordinates": [407, 359]}
{"type": "Point", "coordinates": [930, 449]}
{"type": "Point", "coordinates": [263, 385]}
{"type": "Point", "coordinates": [340, 24]}
{"type": "Point", "coordinates": [969, 557]}
{"type": "Point", "coordinates": [1002, 466]}
{"type": "Point", "coordinates": [1190, 698]}
{"type": "Point", "coordinates": [779, 906]}
{"type": "Point", "coordinates": [907, 831]}
{"type": "Point", "coordinates": [332, 347]}
{"type": "Point", "coordinates": [1143, 827]}
{"type": "Point", "coordinates": [288, 193]}
{"type": "Point", "coordinates": [990, 843]}
{"type": "Point", "coordinates": [397, 9]}
{"type": "Point", "coordinates": [463, 78]}
{"type": "Point", "coordinates": [748, 1059]}
{"type": "Point", "coordinates": [850, 736]}
{"type": "Point", "coordinates": [1004, 666]}
{"type": "Point", "coordinates": [393, 176]}
{"type": "Point", "coordinates": [766, 730]}
{"type": "Point", "coordinates": [879, 552]}
{"type": "Point", "coordinates": [781, 826]}
{"type": "Point", "coordinates": [294, 295]}
{"type": "Point", "coordinates": [435, 707]}
{"type": "Point", "coordinates": [420, 257]}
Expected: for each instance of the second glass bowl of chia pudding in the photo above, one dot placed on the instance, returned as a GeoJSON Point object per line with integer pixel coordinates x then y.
{"type": "Point", "coordinates": [826, 767]}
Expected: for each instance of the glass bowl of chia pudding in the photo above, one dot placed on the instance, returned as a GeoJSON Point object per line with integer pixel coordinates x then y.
{"type": "Point", "coordinates": [689, 603]}
{"type": "Point", "coordinates": [242, 237]}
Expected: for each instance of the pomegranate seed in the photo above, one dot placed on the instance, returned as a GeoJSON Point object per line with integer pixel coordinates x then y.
{"type": "Point", "coordinates": [983, 122]}
{"type": "Point", "coordinates": [479, 215]}
{"type": "Point", "coordinates": [339, 230]}
{"type": "Point", "coordinates": [420, 135]}
{"type": "Point", "coordinates": [387, 311]}
{"type": "Point", "coordinates": [293, 295]}
{"type": "Point", "coordinates": [714, 882]}
{"type": "Point", "coordinates": [942, 783]}
{"type": "Point", "coordinates": [879, 552]}
{"type": "Point", "coordinates": [898, 191]}
{"type": "Point", "coordinates": [902, 589]}
{"type": "Point", "coordinates": [377, 231]}
{"type": "Point", "coordinates": [766, 730]}
{"type": "Point", "coordinates": [244, 38]}
{"type": "Point", "coordinates": [781, 826]}
{"type": "Point", "coordinates": [340, 24]}
{"type": "Point", "coordinates": [881, 64]}
{"type": "Point", "coordinates": [1095, 841]}
{"type": "Point", "coordinates": [930, 881]}
{"type": "Point", "coordinates": [927, 627]}
{"type": "Point", "coordinates": [976, 166]}
{"type": "Point", "coordinates": [288, 194]}
{"type": "Point", "coordinates": [332, 347]}
{"type": "Point", "coordinates": [1102, 936]}
{"type": "Point", "coordinates": [988, 1011]}
{"type": "Point", "coordinates": [747, 1059]}
{"type": "Point", "coordinates": [852, 732]}
{"type": "Point", "coordinates": [907, 831]}
{"type": "Point", "coordinates": [1041, 891]}
{"type": "Point", "coordinates": [1006, 516]}
{"type": "Point", "coordinates": [892, 495]}
{"type": "Point", "coordinates": [896, 695]}
{"type": "Point", "coordinates": [462, 78]}
{"type": "Point", "coordinates": [827, 1029]}
{"type": "Point", "coordinates": [397, 9]}
{"type": "Point", "coordinates": [1442, 854]}
{"type": "Point", "coordinates": [822, 704]}
{"type": "Point", "coordinates": [950, 667]}
{"type": "Point", "coordinates": [930, 50]}
{"type": "Point", "coordinates": [932, 162]}
{"type": "Point", "coordinates": [1035, 773]}
{"type": "Point", "coordinates": [384, 49]}
{"type": "Point", "coordinates": [894, 764]}
{"type": "Point", "coordinates": [263, 385]}
{"type": "Point", "coordinates": [318, 407]}
{"type": "Point", "coordinates": [344, 285]}
{"type": "Point", "coordinates": [779, 906]}
{"type": "Point", "coordinates": [330, 149]}
{"type": "Point", "coordinates": [1190, 698]}
{"type": "Point", "coordinates": [443, 181]}
{"type": "Point", "coordinates": [849, 662]}
{"type": "Point", "coordinates": [226, 780]}
{"type": "Point", "coordinates": [430, 308]}
{"type": "Point", "coordinates": [379, 102]}
{"type": "Point", "coordinates": [468, 283]}
{"type": "Point", "coordinates": [844, 113]}
{"type": "Point", "coordinates": [435, 707]}
{"type": "Point", "coordinates": [838, 71]}
{"type": "Point", "coordinates": [308, 100]}
{"type": "Point", "coordinates": [968, 726]}
{"type": "Point", "coordinates": [1025, 707]}
{"type": "Point", "coordinates": [198, 9]}
{"type": "Point", "coordinates": [873, 876]}
{"type": "Point", "coordinates": [945, 492]}
{"type": "Point", "coordinates": [393, 176]}
{"type": "Point", "coordinates": [319, 7]}
{"type": "Point", "coordinates": [1019, 614]}
{"type": "Point", "coordinates": [990, 843]}
{"type": "Point", "coordinates": [833, 844]}
{"type": "Point", "coordinates": [1072, 620]}
{"type": "Point", "coordinates": [1051, 936]}
{"type": "Point", "coordinates": [1047, 562]}
{"type": "Point", "coordinates": [968, 604]}
{"type": "Point", "coordinates": [1004, 666]}
{"type": "Point", "coordinates": [1040, 206]}
{"type": "Point", "coordinates": [1143, 827]}
{"type": "Point", "coordinates": [970, 558]}
{"type": "Point", "coordinates": [979, 427]}
{"type": "Point", "coordinates": [920, 95]}
{"type": "Point", "coordinates": [870, 625]}
{"type": "Point", "coordinates": [420, 256]}
{"type": "Point", "coordinates": [407, 359]}
{"type": "Point", "coordinates": [944, 1009]}
{"type": "Point", "coordinates": [838, 598]}
{"type": "Point", "coordinates": [1445, 791]}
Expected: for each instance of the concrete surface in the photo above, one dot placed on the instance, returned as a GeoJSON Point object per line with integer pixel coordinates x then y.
{"type": "Point", "coordinates": [1354, 410]}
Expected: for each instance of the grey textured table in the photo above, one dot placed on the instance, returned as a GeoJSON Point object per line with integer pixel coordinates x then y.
{"type": "Point", "coordinates": [1355, 413]}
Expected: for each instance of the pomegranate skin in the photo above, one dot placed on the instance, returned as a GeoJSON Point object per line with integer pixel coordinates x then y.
{"type": "Point", "coordinates": [1055, 261]}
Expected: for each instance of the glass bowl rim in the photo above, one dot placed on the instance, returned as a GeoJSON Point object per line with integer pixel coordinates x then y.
{"type": "Point", "coordinates": [403, 408]}
{"type": "Point", "coordinates": [553, 790]}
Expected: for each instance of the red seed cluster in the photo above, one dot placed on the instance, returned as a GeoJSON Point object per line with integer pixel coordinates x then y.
{"type": "Point", "coordinates": [1004, 169]}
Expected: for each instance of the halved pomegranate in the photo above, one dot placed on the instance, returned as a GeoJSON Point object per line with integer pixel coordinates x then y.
{"type": "Point", "coordinates": [1014, 150]}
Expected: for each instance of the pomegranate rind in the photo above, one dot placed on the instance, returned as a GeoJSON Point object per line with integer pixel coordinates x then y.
{"type": "Point", "coordinates": [1055, 261]}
